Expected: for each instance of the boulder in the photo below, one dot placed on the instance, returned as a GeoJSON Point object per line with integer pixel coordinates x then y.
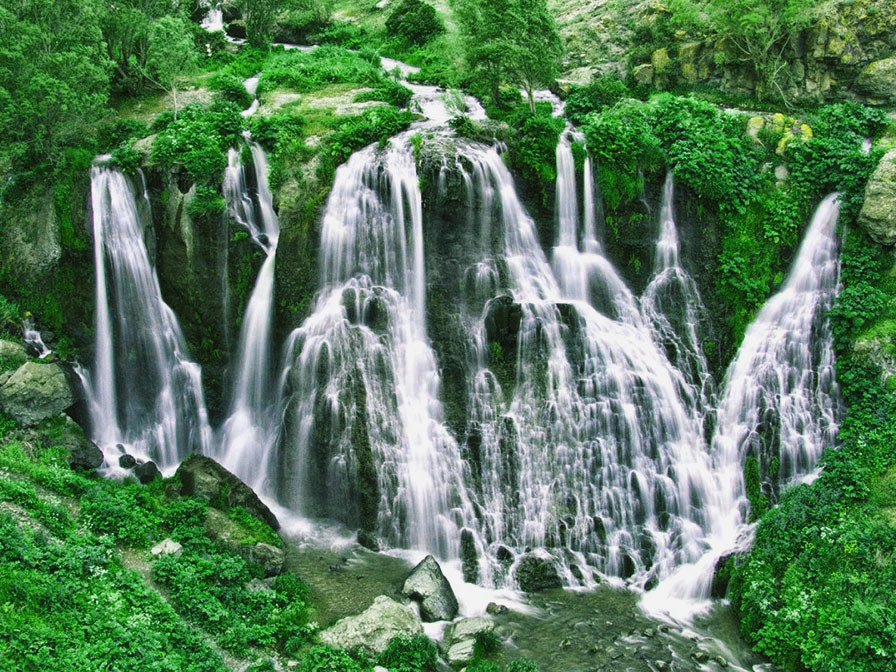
{"type": "Point", "coordinates": [12, 355]}
{"type": "Point", "coordinates": [83, 454]}
{"type": "Point", "coordinates": [147, 472]}
{"type": "Point", "coordinates": [427, 585]}
{"type": "Point", "coordinates": [202, 477]}
{"type": "Point", "coordinates": [36, 392]}
{"type": "Point", "coordinates": [127, 461]}
{"type": "Point", "coordinates": [373, 629]}
{"type": "Point", "coordinates": [232, 536]}
{"type": "Point", "coordinates": [468, 628]}
{"type": "Point", "coordinates": [878, 80]}
{"type": "Point", "coordinates": [461, 653]}
{"type": "Point", "coordinates": [878, 214]}
{"type": "Point", "coordinates": [536, 572]}
{"type": "Point", "coordinates": [166, 547]}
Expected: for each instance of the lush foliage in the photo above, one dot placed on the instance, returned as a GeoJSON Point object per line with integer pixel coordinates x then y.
{"type": "Point", "coordinates": [171, 55]}
{"type": "Point", "coordinates": [306, 71]}
{"type": "Point", "coordinates": [410, 654]}
{"type": "Point", "coordinates": [377, 124]}
{"type": "Point", "coordinates": [198, 140]}
{"type": "Point", "coordinates": [596, 96]}
{"type": "Point", "coordinates": [76, 604]}
{"type": "Point", "coordinates": [414, 22]}
{"type": "Point", "coordinates": [513, 41]}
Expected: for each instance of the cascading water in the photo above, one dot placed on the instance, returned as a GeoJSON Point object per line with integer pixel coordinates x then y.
{"type": "Point", "coordinates": [779, 403]}
{"type": "Point", "coordinates": [366, 387]}
{"type": "Point", "coordinates": [672, 306]}
{"type": "Point", "coordinates": [145, 394]}
{"type": "Point", "coordinates": [593, 449]}
{"type": "Point", "coordinates": [251, 430]}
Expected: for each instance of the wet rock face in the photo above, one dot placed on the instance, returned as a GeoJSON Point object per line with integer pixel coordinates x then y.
{"type": "Point", "coordinates": [878, 214]}
{"type": "Point", "coordinates": [374, 628]}
{"type": "Point", "coordinates": [202, 477]}
{"type": "Point", "coordinates": [36, 392]}
{"type": "Point", "coordinates": [535, 573]}
{"type": "Point", "coordinates": [427, 585]}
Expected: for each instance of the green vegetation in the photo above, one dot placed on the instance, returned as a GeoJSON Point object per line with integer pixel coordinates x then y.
{"type": "Point", "coordinates": [410, 654]}
{"type": "Point", "coordinates": [171, 55]}
{"type": "Point", "coordinates": [413, 22]}
{"type": "Point", "coordinates": [511, 41]}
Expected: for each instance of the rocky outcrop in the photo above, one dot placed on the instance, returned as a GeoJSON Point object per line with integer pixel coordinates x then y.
{"type": "Point", "coordinates": [878, 80]}
{"type": "Point", "coordinates": [878, 214]}
{"type": "Point", "coordinates": [427, 585]}
{"type": "Point", "coordinates": [12, 355]}
{"type": "Point", "coordinates": [232, 536]}
{"type": "Point", "coordinates": [83, 454]}
{"type": "Point", "coordinates": [460, 638]}
{"type": "Point", "coordinates": [202, 477]}
{"type": "Point", "coordinates": [36, 392]}
{"type": "Point", "coordinates": [374, 628]}
{"type": "Point", "coordinates": [536, 572]}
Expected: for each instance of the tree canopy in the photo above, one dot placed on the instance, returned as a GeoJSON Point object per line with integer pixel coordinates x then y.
{"type": "Point", "coordinates": [513, 41]}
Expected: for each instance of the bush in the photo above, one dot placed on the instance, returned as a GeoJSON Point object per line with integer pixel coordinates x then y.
{"type": "Point", "coordinates": [409, 654]}
{"type": "Point", "coordinates": [198, 140]}
{"type": "Point", "coordinates": [307, 71]}
{"type": "Point", "coordinates": [231, 89]}
{"type": "Point", "coordinates": [324, 658]}
{"type": "Point", "coordinates": [414, 22]}
{"type": "Point", "coordinates": [600, 94]}
{"type": "Point", "coordinates": [522, 665]}
{"type": "Point", "coordinates": [388, 91]}
{"type": "Point", "coordinates": [374, 125]}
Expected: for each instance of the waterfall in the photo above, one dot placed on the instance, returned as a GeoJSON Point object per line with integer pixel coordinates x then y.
{"type": "Point", "coordinates": [145, 393]}
{"type": "Point", "coordinates": [672, 306]}
{"type": "Point", "coordinates": [251, 430]}
{"type": "Point", "coordinates": [371, 447]}
{"type": "Point", "coordinates": [592, 452]}
{"type": "Point", "coordinates": [780, 401]}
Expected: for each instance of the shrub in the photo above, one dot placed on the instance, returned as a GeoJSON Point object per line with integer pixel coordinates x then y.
{"type": "Point", "coordinates": [414, 22]}
{"type": "Point", "coordinates": [324, 658]}
{"type": "Point", "coordinates": [409, 654]}
{"type": "Point", "coordinates": [600, 94]}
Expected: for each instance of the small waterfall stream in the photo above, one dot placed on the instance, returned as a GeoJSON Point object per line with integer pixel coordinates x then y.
{"type": "Point", "coordinates": [145, 394]}
{"type": "Point", "coordinates": [251, 430]}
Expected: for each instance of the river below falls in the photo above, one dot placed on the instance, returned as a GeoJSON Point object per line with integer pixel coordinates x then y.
{"type": "Point", "coordinates": [597, 630]}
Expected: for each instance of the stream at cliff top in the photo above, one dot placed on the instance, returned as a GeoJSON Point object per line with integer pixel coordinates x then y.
{"type": "Point", "coordinates": [583, 444]}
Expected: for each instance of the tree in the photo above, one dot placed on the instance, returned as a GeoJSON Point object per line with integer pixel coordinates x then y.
{"type": "Point", "coordinates": [513, 41]}
{"type": "Point", "coordinates": [172, 54]}
{"type": "Point", "coordinates": [757, 33]}
{"type": "Point", "coordinates": [414, 22]}
{"type": "Point", "coordinates": [54, 79]}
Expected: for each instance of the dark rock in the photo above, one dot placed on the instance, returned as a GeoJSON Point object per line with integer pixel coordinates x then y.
{"type": "Point", "coordinates": [494, 609]}
{"type": "Point", "coordinates": [236, 29]}
{"type": "Point", "coordinates": [368, 540]}
{"type": "Point", "coordinates": [83, 454]}
{"type": "Point", "coordinates": [469, 556]}
{"type": "Point", "coordinates": [202, 477]}
{"type": "Point", "coordinates": [502, 322]}
{"type": "Point", "coordinates": [504, 555]}
{"type": "Point", "coordinates": [427, 585]}
{"type": "Point", "coordinates": [147, 472]}
{"type": "Point", "coordinates": [535, 573]}
{"type": "Point", "coordinates": [721, 575]}
{"type": "Point", "coordinates": [127, 461]}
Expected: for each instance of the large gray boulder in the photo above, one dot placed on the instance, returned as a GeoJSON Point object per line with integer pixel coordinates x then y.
{"type": "Point", "coordinates": [202, 477]}
{"type": "Point", "coordinates": [36, 392]}
{"type": "Point", "coordinates": [427, 585]}
{"type": "Point", "coordinates": [878, 214]}
{"type": "Point", "coordinates": [373, 629]}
